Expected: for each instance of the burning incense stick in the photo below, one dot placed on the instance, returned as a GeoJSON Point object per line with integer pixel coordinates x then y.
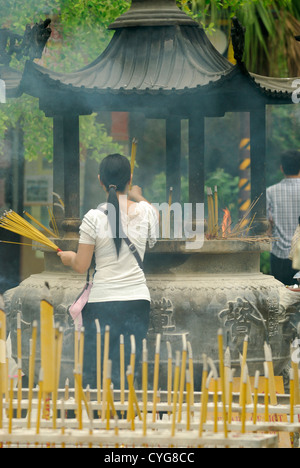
{"type": "Point", "coordinates": [269, 360]}
{"type": "Point", "coordinates": [133, 157]}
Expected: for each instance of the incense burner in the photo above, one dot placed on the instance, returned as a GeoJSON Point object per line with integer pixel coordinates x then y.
{"type": "Point", "coordinates": [194, 292]}
{"type": "Point", "coordinates": [197, 292]}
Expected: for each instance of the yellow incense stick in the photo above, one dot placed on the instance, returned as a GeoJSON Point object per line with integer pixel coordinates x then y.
{"type": "Point", "coordinates": [62, 413]}
{"type": "Point", "coordinates": [98, 328]}
{"type": "Point", "coordinates": [39, 224]}
{"type": "Point", "coordinates": [79, 397]}
{"type": "Point", "coordinates": [222, 375]}
{"type": "Point", "coordinates": [292, 395]}
{"type": "Point", "coordinates": [156, 375]}
{"type": "Point", "coordinates": [244, 397]}
{"type": "Point", "coordinates": [58, 353]}
{"type": "Point", "coordinates": [15, 243]}
{"type": "Point", "coordinates": [272, 387]}
{"type": "Point", "coordinates": [108, 383]}
{"type": "Point", "coordinates": [130, 411]}
{"type": "Point", "coordinates": [31, 371]}
{"type": "Point", "coordinates": [53, 221]}
{"type": "Point", "coordinates": [122, 372]}
{"type": "Point", "coordinates": [191, 371]}
{"type": "Point", "coordinates": [255, 401]}
{"type": "Point", "coordinates": [216, 217]}
{"type": "Point", "coordinates": [295, 368]}
{"type": "Point", "coordinates": [227, 371]}
{"type": "Point", "coordinates": [133, 157]}
{"type": "Point", "coordinates": [13, 222]}
{"type": "Point", "coordinates": [40, 399]}
{"type": "Point", "coordinates": [145, 386]}
{"type": "Point", "coordinates": [105, 360]}
{"type": "Point", "coordinates": [204, 401]}
{"type": "Point", "coordinates": [132, 355]}
{"type": "Point", "coordinates": [169, 385]}
{"type": "Point", "coordinates": [10, 411]}
{"type": "Point", "coordinates": [47, 341]}
{"type": "Point", "coordinates": [175, 391]}
{"type": "Point", "coordinates": [243, 364]}
{"type": "Point", "coordinates": [230, 389]}
{"type": "Point", "coordinates": [3, 357]}
{"type": "Point", "coordinates": [182, 376]}
{"type": "Point", "coordinates": [188, 400]}
{"type": "Point", "coordinates": [19, 362]}
{"type": "Point", "coordinates": [168, 218]}
{"type": "Point", "coordinates": [266, 397]}
{"type": "Point", "coordinates": [1, 392]}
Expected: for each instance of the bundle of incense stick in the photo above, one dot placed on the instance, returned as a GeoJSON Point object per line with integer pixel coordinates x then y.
{"type": "Point", "coordinates": [13, 222]}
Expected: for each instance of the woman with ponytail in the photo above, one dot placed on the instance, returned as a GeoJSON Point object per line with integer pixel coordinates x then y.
{"type": "Point", "coordinates": [119, 296]}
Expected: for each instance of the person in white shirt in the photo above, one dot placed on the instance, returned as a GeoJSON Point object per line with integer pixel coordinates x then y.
{"type": "Point", "coordinates": [119, 296]}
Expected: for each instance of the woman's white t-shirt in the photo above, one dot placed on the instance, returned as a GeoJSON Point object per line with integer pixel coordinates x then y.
{"type": "Point", "coordinates": [119, 279]}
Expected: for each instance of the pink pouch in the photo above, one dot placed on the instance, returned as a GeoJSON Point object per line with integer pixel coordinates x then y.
{"type": "Point", "coordinates": [76, 308]}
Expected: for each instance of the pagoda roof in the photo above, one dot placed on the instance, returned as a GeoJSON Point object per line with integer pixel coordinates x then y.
{"type": "Point", "coordinates": [156, 51]}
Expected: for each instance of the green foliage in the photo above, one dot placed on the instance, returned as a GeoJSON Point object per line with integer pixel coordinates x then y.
{"type": "Point", "coordinates": [82, 25]}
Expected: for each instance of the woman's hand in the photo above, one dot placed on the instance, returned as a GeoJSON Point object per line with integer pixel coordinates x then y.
{"type": "Point", "coordinates": [135, 194]}
{"type": "Point", "coordinates": [79, 261]}
{"type": "Point", "coordinates": [67, 257]}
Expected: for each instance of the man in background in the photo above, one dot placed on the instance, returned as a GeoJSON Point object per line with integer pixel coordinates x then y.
{"type": "Point", "coordinates": [283, 210]}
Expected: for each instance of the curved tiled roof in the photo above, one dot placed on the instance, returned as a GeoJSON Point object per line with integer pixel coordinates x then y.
{"type": "Point", "coordinates": [147, 60]}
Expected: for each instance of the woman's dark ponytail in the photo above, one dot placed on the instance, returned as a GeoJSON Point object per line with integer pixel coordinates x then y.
{"type": "Point", "coordinates": [115, 174]}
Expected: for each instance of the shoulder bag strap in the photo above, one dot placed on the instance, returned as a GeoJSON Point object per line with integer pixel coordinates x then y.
{"type": "Point", "coordinates": [131, 246]}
